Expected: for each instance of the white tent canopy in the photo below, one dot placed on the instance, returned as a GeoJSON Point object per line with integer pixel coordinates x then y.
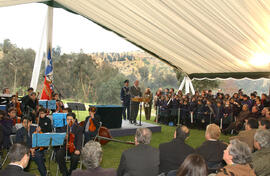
{"type": "Point", "coordinates": [195, 36]}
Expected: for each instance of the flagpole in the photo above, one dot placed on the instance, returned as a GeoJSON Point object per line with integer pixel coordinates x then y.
{"type": "Point", "coordinates": [47, 90]}
{"type": "Point", "coordinates": [38, 59]}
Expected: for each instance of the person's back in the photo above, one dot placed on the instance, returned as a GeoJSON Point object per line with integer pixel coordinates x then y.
{"type": "Point", "coordinates": [261, 158]}
{"type": "Point", "coordinates": [212, 149]}
{"type": "Point", "coordinates": [212, 152]}
{"type": "Point", "coordinates": [141, 160]}
{"type": "Point", "coordinates": [173, 153]}
{"type": "Point", "coordinates": [91, 157]}
{"type": "Point", "coordinates": [19, 156]}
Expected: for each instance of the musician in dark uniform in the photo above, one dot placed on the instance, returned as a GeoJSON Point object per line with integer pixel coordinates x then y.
{"type": "Point", "coordinates": [125, 99]}
{"type": "Point", "coordinates": [91, 125]}
{"type": "Point", "coordinates": [135, 91]}
{"type": "Point", "coordinates": [44, 122]}
{"type": "Point", "coordinates": [30, 106]}
{"type": "Point", "coordinates": [24, 136]}
{"type": "Point", "coordinates": [75, 129]}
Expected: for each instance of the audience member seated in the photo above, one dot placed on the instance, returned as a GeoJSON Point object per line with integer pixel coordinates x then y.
{"type": "Point", "coordinates": [91, 158]}
{"type": "Point", "coordinates": [173, 153]}
{"type": "Point", "coordinates": [264, 123]}
{"type": "Point", "coordinates": [19, 156]}
{"type": "Point", "coordinates": [141, 160]}
{"type": "Point", "coordinates": [261, 158]}
{"type": "Point", "coordinates": [247, 135]}
{"type": "Point", "coordinates": [193, 165]}
{"type": "Point", "coordinates": [239, 121]}
{"type": "Point", "coordinates": [255, 113]}
{"type": "Point", "coordinates": [237, 157]}
{"type": "Point", "coordinates": [212, 149]}
{"type": "Point", "coordinates": [24, 135]}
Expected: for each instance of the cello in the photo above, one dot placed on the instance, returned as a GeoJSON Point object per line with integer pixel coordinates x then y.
{"type": "Point", "coordinates": [104, 136]}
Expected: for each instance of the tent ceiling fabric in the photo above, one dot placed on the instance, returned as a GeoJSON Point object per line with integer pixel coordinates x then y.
{"type": "Point", "coordinates": [4, 3]}
{"type": "Point", "coordinates": [195, 36]}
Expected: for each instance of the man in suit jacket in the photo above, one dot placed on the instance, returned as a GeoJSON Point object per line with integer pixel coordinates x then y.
{"type": "Point", "coordinates": [75, 129]}
{"type": "Point", "coordinates": [142, 160]}
{"type": "Point", "coordinates": [135, 91]}
{"type": "Point", "coordinates": [19, 156]}
{"type": "Point", "coordinates": [247, 135]}
{"type": "Point", "coordinates": [24, 135]}
{"type": "Point", "coordinates": [212, 149]}
{"type": "Point", "coordinates": [91, 157]}
{"type": "Point", "coordinates": [173, 153]}
{"type": "Point", "coordinates": [91, 125]}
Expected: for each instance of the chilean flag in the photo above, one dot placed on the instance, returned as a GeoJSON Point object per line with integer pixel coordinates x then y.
{"type": "Point", "coordinates": [48, 86]}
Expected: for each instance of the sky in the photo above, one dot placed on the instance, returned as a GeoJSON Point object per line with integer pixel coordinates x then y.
{"type": "Point", "coordinates": [23, 25]}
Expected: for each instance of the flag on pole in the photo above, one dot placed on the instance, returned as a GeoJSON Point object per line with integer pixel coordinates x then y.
{"type": "Point", "coordinates": [47, 86]}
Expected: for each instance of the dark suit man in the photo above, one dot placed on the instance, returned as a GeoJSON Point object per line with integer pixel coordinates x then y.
{"type": "Point", "coordinates": [91, 125]}
{"type": "Point", "coordinates": [24, 135]}
{"type": "Point", "coordinates": [19, 156]}
{"type": "Point", "coordinates": [173, 153]}
{"type": "Point", "coordinates": [125, 99]}
{"type": "Point", "coordinates": [75, 156]}
{"type": "Point", "coordinates": [135, 91]}
{"type": "Point", "coordinates": [142, 160]}
{"type": "Point", "coordinates": [212, 149]}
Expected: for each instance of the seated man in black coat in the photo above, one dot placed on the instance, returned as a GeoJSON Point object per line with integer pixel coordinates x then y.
{"type": "Point", "coordinates": [19, 156]}
{"type": "Point", "coordinates": [212, 149]}
{"type": "Point", "coordinates": [77, 131]}
{"type": "Point", "coordinates": [24, 135]}
{"type": "Point", "coordinates": [173, 153]}
{"type": "Point", "coordinates": [141, 160]}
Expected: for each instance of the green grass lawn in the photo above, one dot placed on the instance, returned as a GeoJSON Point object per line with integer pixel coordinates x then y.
{"type": "Point", "coordinates": [113, 150]}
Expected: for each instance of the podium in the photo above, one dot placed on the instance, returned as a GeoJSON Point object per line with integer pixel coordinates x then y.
{"type": "Point", "coordinates": [140, 100]}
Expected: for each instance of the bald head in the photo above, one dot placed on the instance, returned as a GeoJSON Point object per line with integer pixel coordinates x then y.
{"type": "Point", "coordinates": [136, 83]}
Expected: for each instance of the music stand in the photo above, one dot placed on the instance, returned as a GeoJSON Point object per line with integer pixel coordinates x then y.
{"type": "Point", "coordinates": [77, 107]}
{"type": "Point", "coordinates": [59, 119]}
{"type": "Point", "coordinates": [48, 104]}
{"type": "Point", "coordinates": [48, 140]}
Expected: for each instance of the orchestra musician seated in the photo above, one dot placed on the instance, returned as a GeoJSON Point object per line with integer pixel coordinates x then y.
{"type": "Point", "coordinates": [44, 122]}
{"type": "Point", "coordinates": [7, 125]}
{"type": "Point", "coordinates": [19, 156]}
{"type": "Point", "coordinates": [24, 136]}
{"type": "Point", "coordinates": [30, 106]}
{"type": "Point", "coordinates": [72, 145]}
{"type": "Point", "coordinates": [12, 114]}
{"type": "Point", "coordinates": [91, 125]}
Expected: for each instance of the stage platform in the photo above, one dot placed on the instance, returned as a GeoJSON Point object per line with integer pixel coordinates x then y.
{"type": "Point", "coordinates": [128, 129]}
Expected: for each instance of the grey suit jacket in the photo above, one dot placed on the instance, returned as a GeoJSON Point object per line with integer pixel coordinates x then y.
{"type": "Point", "coordinates": [135, 92]}
{"type": "Point", "coordinates": [141, 160]}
